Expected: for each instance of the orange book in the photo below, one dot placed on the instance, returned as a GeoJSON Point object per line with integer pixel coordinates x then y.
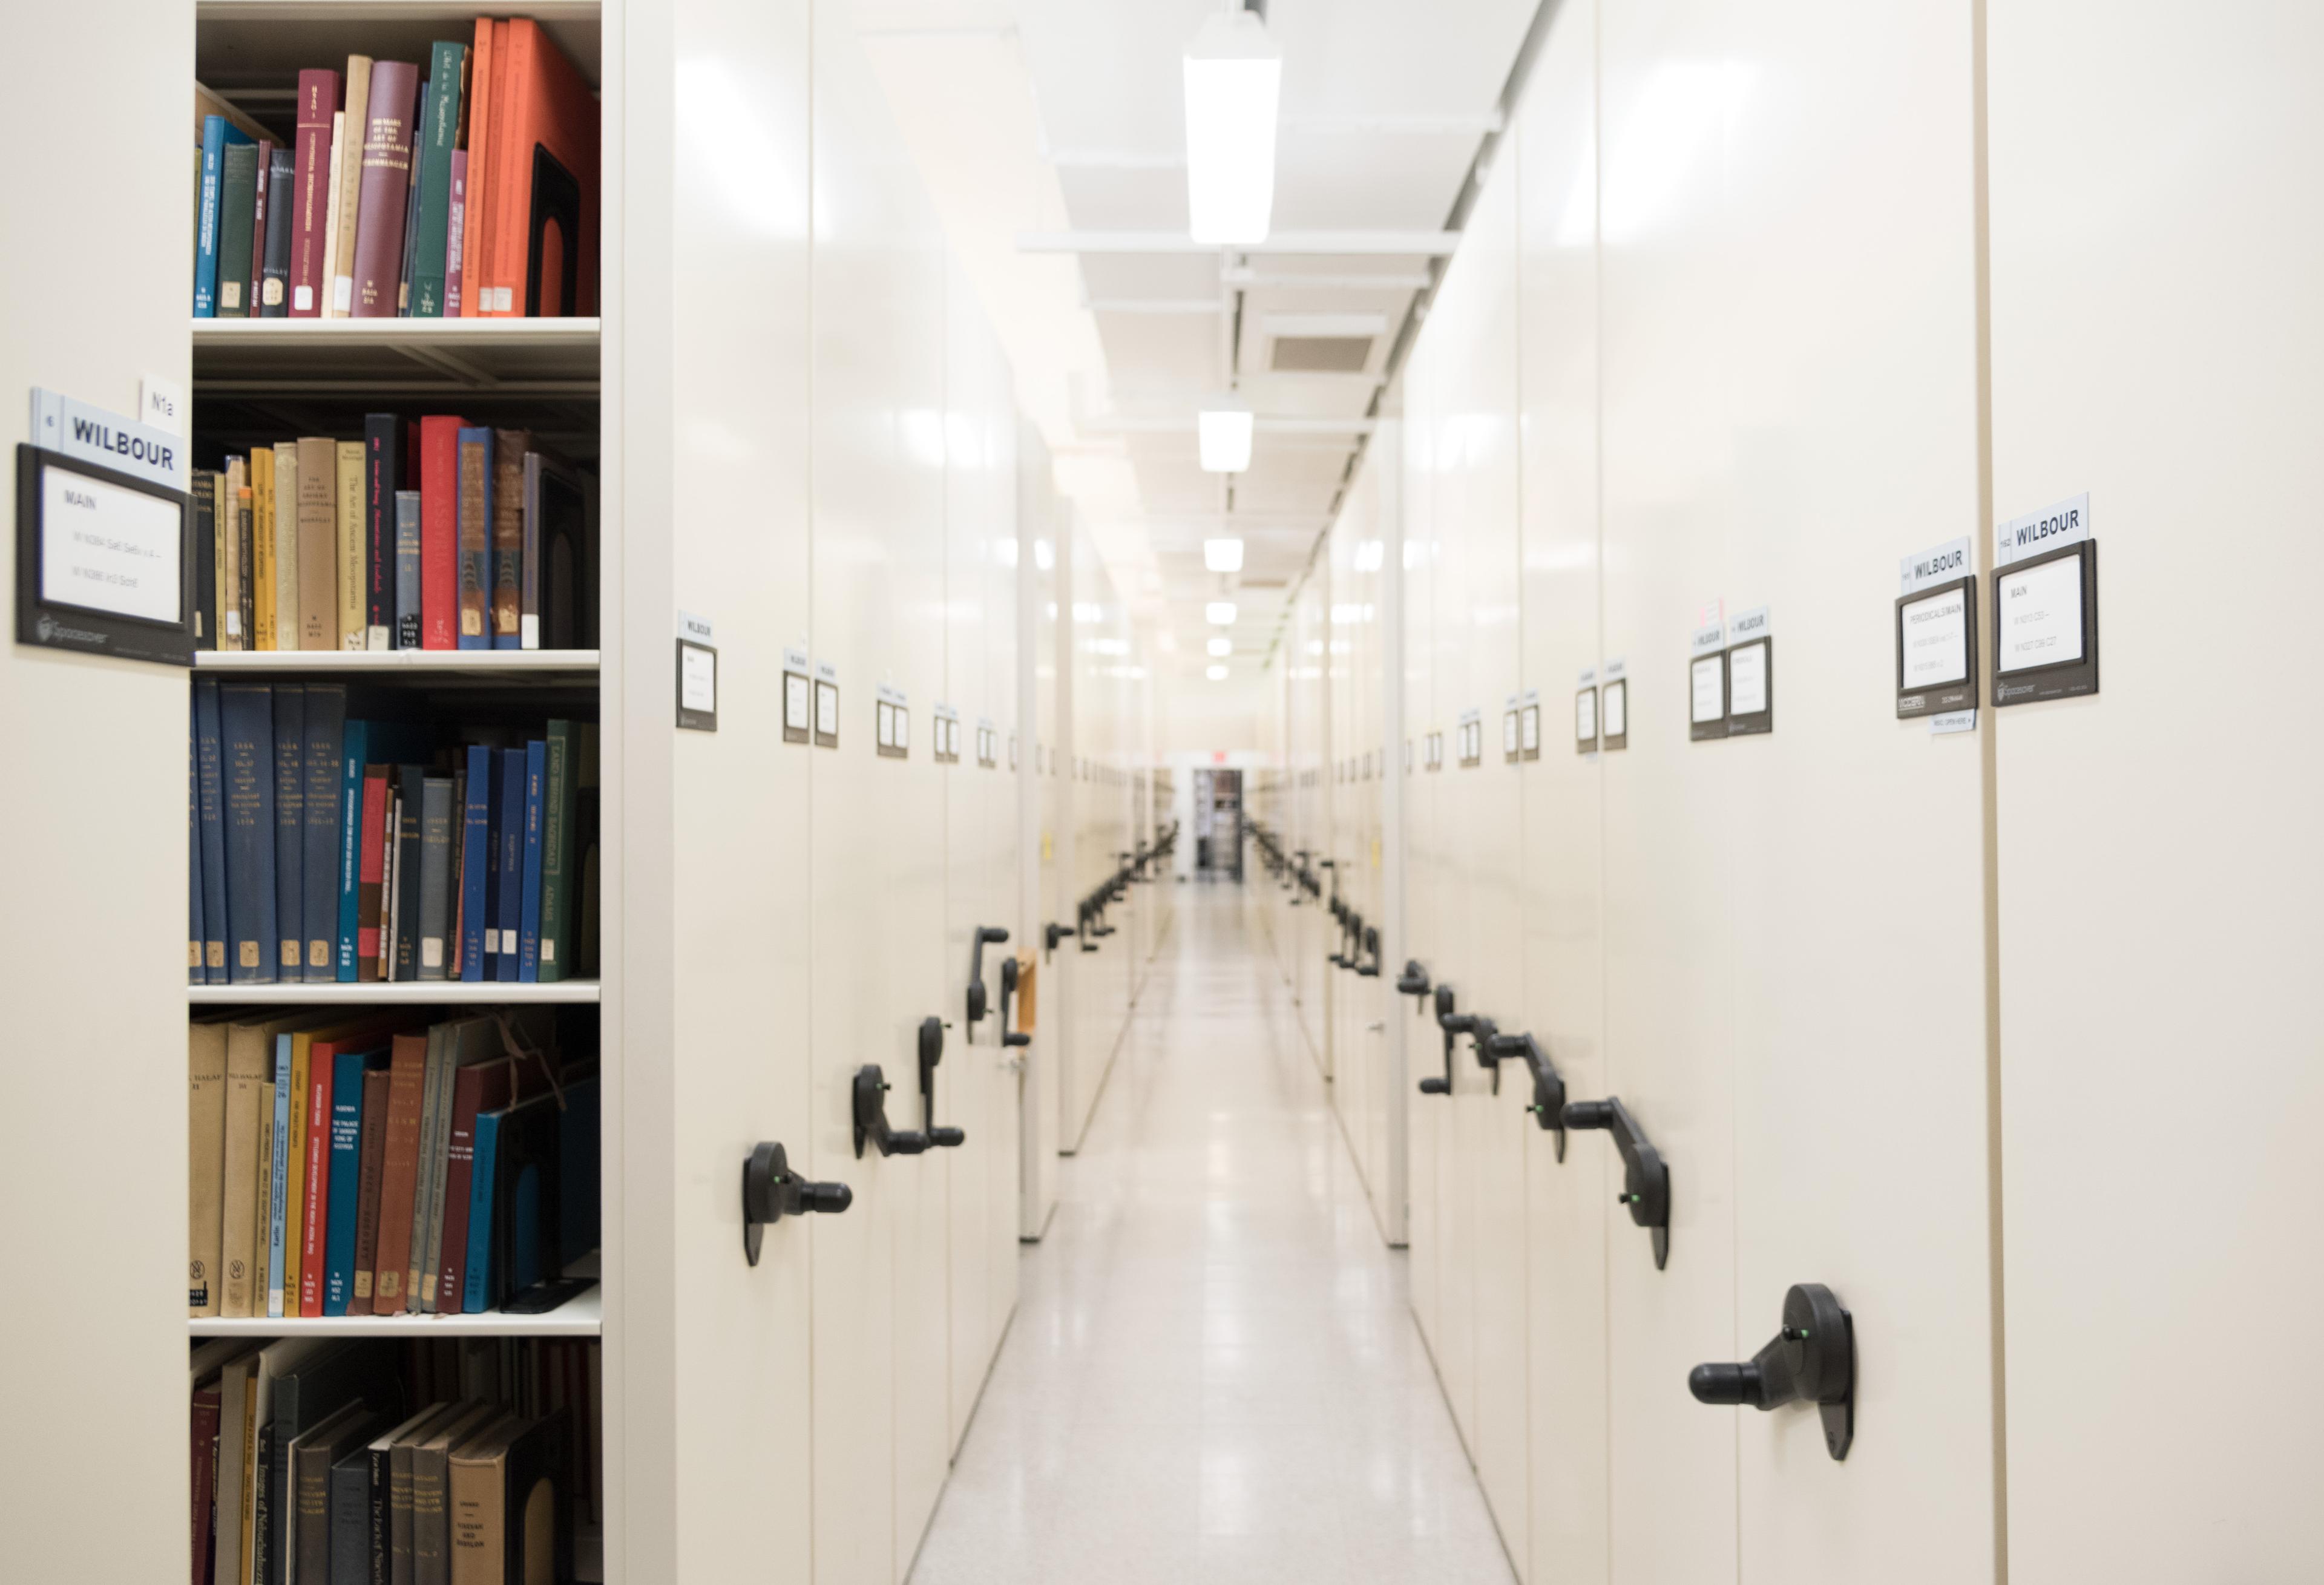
{"type": "Point", "coordinates": [543, 184]}
{"type": "Point", "coordinates": [399, 1182]}
{"type": "Point", "coordinates": [480, 148]}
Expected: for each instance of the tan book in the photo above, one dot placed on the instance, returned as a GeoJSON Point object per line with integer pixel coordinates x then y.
{"type": "Point", "coordinates": [286, 545]}
{"type": "Point", "coordinates": [205, 1166]}
{"type": "Point", "coordinates": [319, 543]}
{"type": "Point", "coordinates": [352, 631]}
{"type": "Point", "coordinates": [231, 1490]}
{"type": "Point", "coordinates": [233, 633]}
{"type": "Point", "coordinates": [249, 1064]}
{"type": "Point", "coordinates": [339, 266]}
{"type": "Point", "coordinates": [337, 158]}
{"type": "Point", "coordinates": [431, 1513]}
{"type": "Point", "coordinates": [262, 547]}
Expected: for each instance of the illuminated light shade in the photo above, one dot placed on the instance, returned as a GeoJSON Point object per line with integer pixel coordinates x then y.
{"type": "Point", "coordinates": [1222, 432]}
{"type": "Point", "coordinates": [1219, 612]}
{"type": "Point", "coordinates": [1215, 672]}
{"type": "Point", "coordinates": [1235, 86]}
{"type": "Point", "coordinates": [1368, 555]}
{"type": "Point", "coordinates": [1220, 645]}
{"type": "Point", "coordinates": [1223, 555]}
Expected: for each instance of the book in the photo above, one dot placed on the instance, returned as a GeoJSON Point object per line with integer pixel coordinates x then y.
{"type": "Point", "coordinates": [440, 531]}
{"type": "Point", "coordinates": [326, 283]}
{"type": "Point", "coordinates": [387, 900]}
{"type": "Point", "coordinates": [522, 1231]}
{"type": "Point", "coordinates": [426, 1181]}
{"type": "Point", "coordinates": [265, 1296]}
{"type": "Point", "coordinates": [439, 136]}
{"type": "Point", "coordinates": [479, 1087]}
{"type": "Point", "coordinates": [455, 262]}
{"type": "Point", "coordinates": [312, 1378]}
{"type": "Point", "coordinates": [508, 498]}
{"type": "Point", "coordinates": [511, 1503]}
{"type": "Point", "coordinates": [223, 601]}
{"type": "Point", "coordinates": [536, 779]}
{"type": "Point", "coordinates": [465, 1044]}
{"type": "Point", "coordinates": [410, 597]}
{"type": "Point", "coordinates": [246, 721]}
{"type": "Point", "coordinates": [579, 1217]}
{"type": "Point", "coordinates": [485, 68]}
{"type": "Point", "coordinates": [456, 894]}
{"type": "Point", "coordinates": [203, 550]}
{"type": "Point", "coordinates": [218, 134]}
{"type": "Point", "coordinates": [410, 800]}
{"type": "Point", "coordinates": [287, 586]}
{"type": "Point", "coordinates": [274, 272]}
{"type": "Point", "coordinates": [411, 201]}
{"type": "Point", "coordinates": [205, 1093]}
{"type": "Point", "coordinates": [349, 1068]}
{"type": "Point", "coordinates": [585, 843]}
{"type": "Point", "coordinates": [380, 202]}
{"type": "Point", "coordinates": [210, 816]}
{"type": "Point", "coordinates": [560, 812]}
{"type": "Point", "coordinates": [372, 1490]}
{"type": "Point", "coordinates": [370, 1168]}
{"type": "Point", "coordinates": [355, 138]}
{"type": "Point", "coordinates": [205, 1452]}
{"type": "Point", "coordinates": [328, 1195]}
{"type": "Point", "coordinates": [249, 1064]}
{"type": "Point", "coordinates": [508, 845]}
{"type": "Point", "coordinates": [318, 99]}
{"type": "Point", "coordinates": [347, 859]}
{"type": "Point", "coordinates": [313, 1457]}
{"type": "Point", "coordinates": [326, 725]}
{"type": "Point", "coordinates": [289, 827]}
{"type": "Point", "coordinates": [318, 530]}
{"type": "Point", "coordinates": [399, 1173]}
{"type": "Point", "coordinates": [382, 452]}
{"type": "Point", "coordinates": [473, 517]}
{"type": "Point", "coordinates": [237, 204]}
{"type": "Point", "coordinates": [264, 545]}
{"type": "Point", "coordinates": [245, 558]}
{"type": "Point", "coordinates": [560, 595]}
{"type": "Point", "coordinates": [348, 628]}
{"type": "Point", "coordinates": [237, 1413]}
{"type": "Point", "coordinates": [476, 1290]}
{"type": "Point", "coordinates": [288, 1175]}
{"type": "Point", "coordinates": [194, 931]}
{"type": "Point", "coordinates": [475, 857]}
{"type": "Point", "coordinates": [434, 876]}
{"type": "Point", "coordinates": [542, 259]}
{"type": "Point", "coordinates": [258, 214]}
{"type": "Point", "coordinates": [431, 1522]}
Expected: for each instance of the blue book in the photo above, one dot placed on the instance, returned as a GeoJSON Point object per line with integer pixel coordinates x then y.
{"type": "Point", "coordinates": [494, 796]}
{"type": "Point", "coordinates": [475, 1283]}
{"type": "Point", "coordinates": [577, 1156]}
{"type": "Point", "coordinates": [347, 1068]}
{"type": "Point", "coordinates": [536, 779]}
{"type": "Point", "coordinates": [289, 826]}
{"type": "Point", "coordinates": [246, 728]}
{"type": "Point", "coordinates": [352, 740]}
{"type": "Point", "coordinates": [194, 932]}
{"type": "Point", "coordinates": [210, 813]}
{"type": "Point", "coordinates": [508, 845]}
{"type": "Point", "coordinates": [278, 1188]}
{"type": "Point", "coordinates": [474, 521]}
{"type": "Point", "coordinates": [407, 569]}
{"type": "Point", "coordinates": [476, 845]}
{"type": "Point", "coordinates": [218, 132]}
{"type": "Point", "coordinates": [326, 720]}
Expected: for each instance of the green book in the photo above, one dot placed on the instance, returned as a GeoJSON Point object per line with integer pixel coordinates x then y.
{"type": "Point", "coordinates": [560, 814]}
{"type": "Point", "coordinates": [237, 213]}
{"type": "Point", "coordinates": [439, 135]}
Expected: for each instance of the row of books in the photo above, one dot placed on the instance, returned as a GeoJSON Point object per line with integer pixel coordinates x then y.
{"type": "Point", "coordinates": [325, 850]}
{"type": "Point", "coordinates": [379, 1164]}
{"type": "Point", "coordinates": [466, 188]}
{"type": "Point", "coordinates": [346, 1461]}
{"type": "Point", "coordinates": [437, 534]}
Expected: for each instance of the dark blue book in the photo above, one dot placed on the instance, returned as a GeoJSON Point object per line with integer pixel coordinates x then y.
{"type": "Point", "coordinates": [246, 728]}
{"type": "Point", "coordinates": [347, 1068]}
{"type": "Point", "coordinates": [289, 825]}
{"type": "Point", "coordinates": [576, 1170]}
{"type": "Point", "coordinates": [536, 782]}
{"type": "Point", "coordinates": [217, 133]}
{"type": "Point", "coordinates": [508, 854]}
{"type": "Point", "coordinates": [476, 1282]}
{"type": "Point", "coordinates": [194, 935]}
{"type": "Point", "coordinates": [210, 812]}
{"type": "Point", "coordinates": [326, 720]}
{"type": "Point", "coordinates": [354, 740]}
{"type": "Point", "coordinates": [475, 863]}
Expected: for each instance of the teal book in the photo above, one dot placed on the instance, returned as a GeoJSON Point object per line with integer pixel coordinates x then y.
{"type": "Point", "coordinates": [218, 134]}
{"type": "Point", "coordinates": [439, 136]}
{"type": "Point", "coordinates": [347, 1070]}
{"type": "Point", "coordinates": [237, 215]}
{"type": "Point", "coordinates": [475, 1282]}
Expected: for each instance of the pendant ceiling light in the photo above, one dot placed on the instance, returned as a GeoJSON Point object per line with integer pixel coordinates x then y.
{"type": "Point", "coordinates": [1235, 81]}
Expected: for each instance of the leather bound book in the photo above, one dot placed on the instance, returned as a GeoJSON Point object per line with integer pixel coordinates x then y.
{"type": "Point", "coordinates": [508, 447]}
{"type": "Point", "coordinates": [274, 271]}
{"type": "Point", "coordinates": [319, 101]}
{"type": "Point", "coordinates": [399, 1173]}
{"type": "Point", "coordinates": [474, 518]}
{"type": "Point", "coordinates": [371, 1169]}
{"type": "Point", "coordinates": [382, 449]}
{"type": "Point", "coordinates": [384, 183]}
{"type": "Point", "coordinates": [439, 532]}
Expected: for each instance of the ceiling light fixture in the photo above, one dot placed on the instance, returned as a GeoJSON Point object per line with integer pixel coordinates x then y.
{"type": "Point", "coordinates": [1220, 645]}
{"type": "Point", "coordinates": [1235, 86]}
{"type": "Point", "coordinates": [1222, 432]}
{"type": "Point", "coordinates": [1215, 672]}
{"type": "Point", "coordinates": [1223, 555]}
{"type": "Point", "coordinates": [1219, 612]}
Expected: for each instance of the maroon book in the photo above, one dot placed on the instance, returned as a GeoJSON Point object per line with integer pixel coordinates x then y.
{"type": "Point", "coordinates": [483, 1087]}
{"type": "Point", "coordinates": [370, 1161]}
{"type": "Point", "coordinates": [205, 1483]}
{"type": "Point", "coordinates": [381, 191]}
{"type": "Point", "coordinates": [310, 189]}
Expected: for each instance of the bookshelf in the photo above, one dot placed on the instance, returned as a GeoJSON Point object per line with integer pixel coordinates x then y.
{"type": "Point", "coordinates": [408, 993]}
{"type": "Point", "coordinates": [359, 357]}
{"type": "Point", "coordinates": [578, 664]}
{"type": "Point", "coordinates": [583, 1315]}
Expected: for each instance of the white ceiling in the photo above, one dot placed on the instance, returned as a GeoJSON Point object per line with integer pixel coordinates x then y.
{"type": "Point", "coordinates": [1055, 116]}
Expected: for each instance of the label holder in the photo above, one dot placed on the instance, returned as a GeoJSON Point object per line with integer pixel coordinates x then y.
{"type": "Point", "coordinates": [89, 630]}
{"type": "Point", "coordinates": [1941, 698]}
{"type": "Point", "coordinates": [2065, 679]}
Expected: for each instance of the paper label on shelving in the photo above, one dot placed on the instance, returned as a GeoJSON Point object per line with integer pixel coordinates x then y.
{"type": "Point", "coordinates": [163, 403]}
{"type": "Point", "coordinates": [2066, 523]}
{"type": "Point", "coordinates": [302, 299]}
{"type": "Point", "coordinates": [696, 627]}
{"type": "Point", "coordinates": [93, 435]}
{"type": "Point", "coordinates": [343, 292]}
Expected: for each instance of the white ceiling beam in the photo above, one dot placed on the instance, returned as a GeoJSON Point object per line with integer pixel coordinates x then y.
{"type": "Point", "coordinates": [1473, 126]}
{"type": "Point", "coordinates": [1185, 425]}
{"type": "Point", "coordinates": [1190, 306]}
{"type": "Point", "coordinates": [1400, 281]}
{"type": "Point", "coordinates": [1353, 243]}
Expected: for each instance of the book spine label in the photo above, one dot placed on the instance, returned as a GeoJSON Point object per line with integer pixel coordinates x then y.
{"type": "Point", "coordinates": [318, 100]}
{"type": "Point", "coordinates": [246, 712]}
{"type": "Point", "coordinates": [209, 771]}
{"type": "Point", "coordinates": [289, 827]}
{"type": "Point", "coordinates": [327, 715]}
{"type": "Point", "coordinates": [385, 179]}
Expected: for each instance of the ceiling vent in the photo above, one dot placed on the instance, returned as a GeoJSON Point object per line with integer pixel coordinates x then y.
{"type": "Point", "coordinates": [1321, 354]}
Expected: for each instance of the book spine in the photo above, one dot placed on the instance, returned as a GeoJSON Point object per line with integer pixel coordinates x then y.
{"type": "Point", "coordinates": [382, 1537]}
{"type": "Point", "coordinates": [536, 777]}
{"type": "Point", "coordinates": [476, 1295]}
{"type": "Point", "coordinates": [372, 1160]}
{"type": "Point", "coordinates": [557, 861]}
{"type": "Point", "coordinates": [439, 532]}
{"type": "Point", "coordinates": [318, 544]}
{"type": "Point", "coordinates": [315, 1186]}
{"type": "Point", "coordinates": [350, 1521]}
{"type": "Point", "coordinates": [345, 1175]}
{"type": "Point", "coordinates": [508, 447]}
{"type": "Point", "coordinates": [528, 625]}
{"type": "Point", "coordinates": [354, 741]}
{"type": "Point", "coordinates": [205, 1449]}
{"type": "Point", "coordinates": [274, 256]}
{"type": "Point", "coordinates": [479, 153]}
{"type": "Point", "coordinates": [455, 257]}
{"type": "Point", "coordinates": [475, 863]}
{"type": "Point", "coordinates": [399, 1176]}
{"type": "Point", "coordinates": [205, 553]}
{"type": "Point", "coordinates": [277, 1171]}
{"type": "Point", "coordinates": [382, 450]}
{"type": "Point", "coordinates": [224, 604]}
{"type": "Point", "coordinates": [262, 547]}
{"type": "Point", "coordinates": [289, 827]}
{"type": "Point", "coordinates": [345, 207]}
{"type": "Point", "coordinates": [407, 570]}
{"type": "Point", "coordinates": [435, 875]}
{"type": "Point", "coordinates": [439, 136]}
{"type": "Point", "coordinates": [347, 529]}
{"type": "Point", "coordinates": [382, 187]}
{"type": "Point", "coordinates": [411, 203]}
{"type": "Point", "coordinates": [210, 813]}
{"type": "Point", "coordinates": [261, 1550]}
{"type": "Point", "coordinates": [327, 719]}
{"type": "Point", "coordinates": [195, 933]}
{"type": "Point", "coordinates": [337, 164]}
{"type": "Point", "coordinates": [410, 798]}
{"type": "Point", "coordinates": [318, 100]}
{"type": "Point", "coordinates": [474, 519]}
{"type": "Point", "coordinates": [206, 1168]}
{"type": "Point", "coordinates": [262, 174]}
{"type": "Point", "coordinates": [245, 570]}
{"type": "Point", "coordinates": [237, 203]}
{"type": "Point", "coordinates": [247, 715]}
{"type": "Point", "coordinates": [286, 546]}
{"type": "Point", "coordinates": [508, 843]}
{"type": "Point", "coordinates": [205, 238]}
{"type": "Point", "coordinates": [459, 1169]}
{"type": "Point", "coordinates": [372, 878]}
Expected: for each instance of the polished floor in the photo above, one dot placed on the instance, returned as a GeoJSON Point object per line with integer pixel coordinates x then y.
{"type": "Point", "coordinates": [1214, 1375]}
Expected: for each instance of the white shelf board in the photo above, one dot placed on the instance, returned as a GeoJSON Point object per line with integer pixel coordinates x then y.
{"type": "Point", "coordinates": [324, 355]}
{"type": "Point", "coordinates": [422, 992]}
{"type": "Point", "coordinates": [459, 661]}
{"type": "Point", "coordinates": [582, 1315]}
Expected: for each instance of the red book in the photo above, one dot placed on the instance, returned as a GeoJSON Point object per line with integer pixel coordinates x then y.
{"type": "Point", "coordinates": [371, 875]}
{"type": "Point", "coordinates": [204, 1450]}
{"type": "Point", "coordinates": [439, 532]}
{"type": "Point", "coordinates": [310, 189]}
{"type": "Point", "coordinates": [486, 1086]}
{"type": "Point", "coordinates": [306, 1297]}
{"type": "Point", "coordinates": [542, 118]}
{"type": "Point", "coordinates": [381, 189]}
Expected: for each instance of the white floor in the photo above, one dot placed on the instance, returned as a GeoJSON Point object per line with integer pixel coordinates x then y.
{"type": "Point", "coordinates": [1214, 1375]}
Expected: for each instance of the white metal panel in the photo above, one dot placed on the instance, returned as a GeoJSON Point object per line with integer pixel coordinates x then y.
{"type": "Point", "coordinates": [1039, 546]}
{"type": "Point", "coordinates": [2159, 1090]}
{"type": "Point", "coordinates": [1428, 715]}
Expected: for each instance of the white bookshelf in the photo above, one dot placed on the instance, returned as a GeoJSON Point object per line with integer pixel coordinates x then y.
{"type": "Point", "coordinates": [450, 662]}
{"type": "Point", "coordinates": [510, 358]}
{"type": "Point", "coordinates": [411, 992]}
{"type": "Point", "coordinates": [582, 1315]}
